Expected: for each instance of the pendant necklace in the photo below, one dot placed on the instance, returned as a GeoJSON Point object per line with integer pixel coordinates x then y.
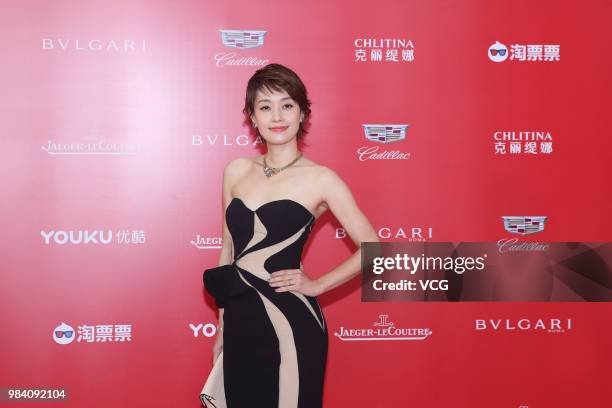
{"type": "Point", "coordinates": [270, 171]}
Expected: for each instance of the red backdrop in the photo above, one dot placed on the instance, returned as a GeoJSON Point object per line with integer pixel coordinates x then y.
{"type": "Point", "coordinates": [117, 118]}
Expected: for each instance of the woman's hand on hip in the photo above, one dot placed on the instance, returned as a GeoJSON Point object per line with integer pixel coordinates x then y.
{"type": "Point", "coordinates": [294, 280]}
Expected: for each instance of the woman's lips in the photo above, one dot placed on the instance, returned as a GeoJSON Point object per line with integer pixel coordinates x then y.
{"type": "Point", "coordinates": [279, 129]}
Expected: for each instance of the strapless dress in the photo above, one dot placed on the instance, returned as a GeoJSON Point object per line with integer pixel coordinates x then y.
{"type": "Point", "coordinates": [274, 343]}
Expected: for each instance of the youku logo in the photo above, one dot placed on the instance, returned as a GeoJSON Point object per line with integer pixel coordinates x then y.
{"type": "Point", "coordinates": [96, 237]}
{"type": "Point", "coordinates": [383, 329]}
{"type": "Point", "coordinates": [240, 39]}
{"type": "Point", "coordinates": [205, 329]}
{"type": "Point", "coordinates": [385, 134]}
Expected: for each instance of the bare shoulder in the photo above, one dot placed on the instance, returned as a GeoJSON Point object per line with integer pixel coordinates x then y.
{"type": "Point", "coordinates": [311, 165]}
{"type": "Point", "coordinates": [237, 167]}
{"type": "Point", "coordinates": [327, 176]}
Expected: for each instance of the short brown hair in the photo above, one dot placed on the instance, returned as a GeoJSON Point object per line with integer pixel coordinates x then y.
{"type": "Point", "coordinates": [277, 77]}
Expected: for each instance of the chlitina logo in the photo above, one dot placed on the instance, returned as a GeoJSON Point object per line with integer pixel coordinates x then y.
{"type": "Point", "coordinates": [524, 225]}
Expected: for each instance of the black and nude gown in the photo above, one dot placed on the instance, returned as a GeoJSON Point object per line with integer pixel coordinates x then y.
{"type": "Point", "coordinates": [274, 343]}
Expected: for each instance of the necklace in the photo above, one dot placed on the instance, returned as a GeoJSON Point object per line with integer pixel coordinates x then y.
{"type": "Point", "coordinates": [270, 171]}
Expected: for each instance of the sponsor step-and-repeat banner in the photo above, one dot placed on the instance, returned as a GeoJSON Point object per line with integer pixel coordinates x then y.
{"type": "Point", "coordinates": [472, 135]}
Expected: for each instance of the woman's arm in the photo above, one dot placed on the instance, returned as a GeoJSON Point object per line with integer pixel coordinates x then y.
{"type": "Point", "coordinates": [230, 173]}
{"type": "Point", "coordinates": [227, 250]}
{"type": "Point", "coordinates": [341, 202]}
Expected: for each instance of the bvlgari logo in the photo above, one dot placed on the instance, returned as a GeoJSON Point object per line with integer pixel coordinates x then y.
{"type": "Point", "coordinates": [203, 242]}
{"type": "Point", "coordinates": [407, 234]}
{"type": "Point", "coordinates": [242, 40]}
{"type": "Point", "coordinates": [96, 45]}
{"type": "Point", "coordinates": [215, 139]}
{"type": "Point", "coordinates": [385, 134]}
{"type": "Point", "coordinates": [383, 329]}
{"type": "Point", "coordinates": [524, 324]}
{"type": "Point", "coordinates": [524, 225]}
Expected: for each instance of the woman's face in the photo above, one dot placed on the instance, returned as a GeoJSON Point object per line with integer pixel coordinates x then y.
{"type": "Point", "coordinates": [277, 116]}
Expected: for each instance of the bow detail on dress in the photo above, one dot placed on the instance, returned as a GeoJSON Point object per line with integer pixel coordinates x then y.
{"type": "Point", "coordinates": [223, 282]}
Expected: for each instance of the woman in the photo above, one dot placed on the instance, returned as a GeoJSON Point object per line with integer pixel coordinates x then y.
{"type": "Point", "coordinates": [271, 346]}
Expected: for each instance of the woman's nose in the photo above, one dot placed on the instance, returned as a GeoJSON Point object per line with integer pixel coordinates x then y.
{"type": "Point", "coordinates": [276, 114]}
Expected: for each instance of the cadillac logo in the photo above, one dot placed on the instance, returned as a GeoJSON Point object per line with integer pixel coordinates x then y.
{"type": "Point", "coordinates": [242, 38]}
{"type": "Point", "coordinates": [524, 225]}
{"type": "Point", "coordinates": [385, 133]}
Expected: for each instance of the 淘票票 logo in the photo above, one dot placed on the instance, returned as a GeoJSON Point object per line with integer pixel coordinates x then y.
{"type": "Point", "coordinates": [63, 334]}
{"type": "Point", "coordinates": [101, 333]}
{"type": "Point", "coordinates": [498, 52]}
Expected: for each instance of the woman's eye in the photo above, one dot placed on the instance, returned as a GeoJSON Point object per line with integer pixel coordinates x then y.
{"type": "Point", "coordinates": [287, 106]}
